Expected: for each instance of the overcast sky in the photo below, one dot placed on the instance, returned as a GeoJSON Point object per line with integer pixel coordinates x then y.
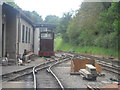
{"type": "Point", "coordinates": [49, 7]}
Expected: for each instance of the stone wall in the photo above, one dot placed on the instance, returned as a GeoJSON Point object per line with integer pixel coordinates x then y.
{"type": "Point", "coordinates": [0, 30]}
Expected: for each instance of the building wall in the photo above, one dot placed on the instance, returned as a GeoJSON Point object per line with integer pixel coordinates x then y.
{"type": "Point", "coordinates": [11, 33]}
{"type": "Point", "coordinates": [0, 30]}
{"type": "Point", "coordinates": [36, 40]}
{"type": "Point", "coordinates": [3, 34]}
{"type": "Point", "coordinates": [25, 45]}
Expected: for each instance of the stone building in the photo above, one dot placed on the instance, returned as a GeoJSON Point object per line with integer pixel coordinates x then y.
{"type": "Point", "coordinates": [16, 32]}
{"type": "Point", "coordinates": [0, 30]}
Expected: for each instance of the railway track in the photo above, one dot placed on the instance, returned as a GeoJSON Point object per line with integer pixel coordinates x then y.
{"type": "Point", "coordinates": [16, 76]}
{"type": "Point", "coordinates": [92, 88]}
{"type": "Point", "coordinates": [44, 80]}
{"type": "Point", "coordinates": [53, 73]}
{"type": "Point", "coordinates": [45, 76]}
{"type": "Point", "coordinates": [109, 67]}
{"type": "Point", "coordinates": [107, 64]}
{"type": "Point", "coordinates": [26, 71]}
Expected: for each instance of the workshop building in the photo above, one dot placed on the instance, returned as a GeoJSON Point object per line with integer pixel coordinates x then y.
{"type": "Point", "coordinates": [16, 32]}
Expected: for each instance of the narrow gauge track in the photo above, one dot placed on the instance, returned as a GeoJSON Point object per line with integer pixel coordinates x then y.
{"type": "Point", "coordinates": [107, 64]}
{"type": "Point", "coordinates": [17, 74]}
{"type": "Point", "coordinates": [109, 67]}
{"type": "Point", "coordinates": [51, 65]}
{"type": "Point", "coordinates": [13, 75]}
{"type": "Point", "coordinates": [101, 81]}
{"type": "Point", "coordinates": [44, 79]}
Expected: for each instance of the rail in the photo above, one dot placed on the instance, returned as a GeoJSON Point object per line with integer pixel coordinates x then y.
{"type": "Point", "coordinates": [34, 71]}
{"type": "Point", "coordinates": [34, 78]}
{"type": "Point", "coordinates": [49, 69]}
{"type": "Point", "coordinates": [56, 76]}
{"type": "Point", "coordinates": [105, 63]}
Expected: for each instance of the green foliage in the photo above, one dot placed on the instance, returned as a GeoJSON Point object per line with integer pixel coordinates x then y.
{"type": "Point", "coordinates": [61, 45]}
{"type": "Point", "coordinates": [34, 16]}
{"type": "Point", "coordinates": [58, 43]}
{"type": "Point", "coordinates": [63, 25]}
{"type": "Point", "coordinates": [52, 19]}
{"type": "Point", "coordinates": [95, 24]}
{"type": "Point", "coordinates": [108, 27]}
{"type": "Point", "coordinates": [81, 30]}
{"type": "Point", "coordinates": [13, 4]}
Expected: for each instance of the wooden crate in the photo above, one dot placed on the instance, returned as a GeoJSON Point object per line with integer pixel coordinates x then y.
{"type": "Point", "coordinates": [77, 64]}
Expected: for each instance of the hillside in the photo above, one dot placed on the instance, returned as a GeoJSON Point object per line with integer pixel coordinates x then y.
{"type": "Point", "coordinates": [61, 45]}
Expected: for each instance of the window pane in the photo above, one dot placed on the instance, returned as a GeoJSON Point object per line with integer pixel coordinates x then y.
{"type": "Point", "coordinates": [29, 35]}
{"type": "Point", "coordinates": [46, 36]}
{"type": "Point", "coordinates": [23, 33]}
{"type": "Point", "coordinates": [43, 29]}
{"type": "Point", "coordinates": [26, 34]}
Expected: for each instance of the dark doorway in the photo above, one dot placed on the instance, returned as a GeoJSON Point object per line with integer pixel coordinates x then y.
{"type": "Point", "coordinates": [3, 38]}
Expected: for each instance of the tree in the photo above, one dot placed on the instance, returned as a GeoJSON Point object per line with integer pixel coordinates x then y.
{"type": "Point", "coordinates": [108, 26]}
{"type": "Point", "coordinates": [95, 24]}
{"type": "Point", "coordinates": [52, 19]}
{"type": "Point", "coordinates": [62, 28]}
{"type": "Point", "coordinates": [34, 16]}
{"type": "Point", "coordinates": [81, 30]}
{"type": "Point", "coordinates": [13, 4]}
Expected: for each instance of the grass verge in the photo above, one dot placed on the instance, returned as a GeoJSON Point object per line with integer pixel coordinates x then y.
{"type": "Point", "coordinates": [61, 45]}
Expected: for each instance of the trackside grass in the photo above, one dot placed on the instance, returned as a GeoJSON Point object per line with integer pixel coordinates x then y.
{"type": "Point", "coordinates": [61, 45]}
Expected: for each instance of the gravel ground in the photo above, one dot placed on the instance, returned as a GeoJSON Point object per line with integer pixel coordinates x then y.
{"type": "Point", "coordinates": [23, 83]}
{"type": "Point", "coordinates": [8, 69]}
{"type": "Point", "coordinates": [46, 80]}
{"type": "Point", "coordinates": [76, 81]}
